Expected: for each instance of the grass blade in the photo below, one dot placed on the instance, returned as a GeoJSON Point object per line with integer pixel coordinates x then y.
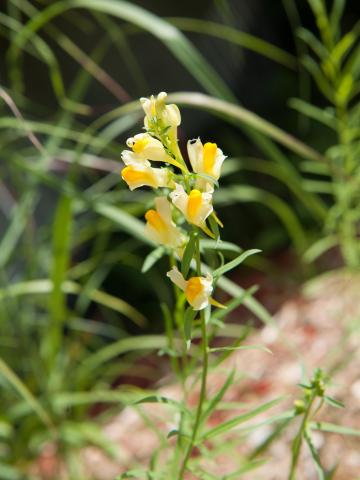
{"type": "Point", "coordinates": [234, 263]}
{"type": "Point", "coordinates": [332, 428]}
{"type": "Point", "coordinates": [232, 35]}
{"type": "Point", "coordinates": [244, 116]}
{"type": "Point", "coordinates": [25, 393]}
{"type": "Point", "coordinates": [234, 422]}
{"type": "Point", "coordinates": [142, 342]}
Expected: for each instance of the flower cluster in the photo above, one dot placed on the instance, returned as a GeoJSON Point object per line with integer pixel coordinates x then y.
{"type": "Point", "coordinates": [187, 191]}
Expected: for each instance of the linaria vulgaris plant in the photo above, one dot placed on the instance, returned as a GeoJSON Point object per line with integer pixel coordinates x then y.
{"type": "Point", "coordinates": [182, 219]}
{"type": "Point", "coordinates": [180, 224]}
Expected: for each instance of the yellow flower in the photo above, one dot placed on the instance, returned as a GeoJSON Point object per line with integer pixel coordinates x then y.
{"type": "Point", "coordinates": [161, 229]}
{"type": "Point", "coordinates": [206, 159]}
{"type": "Point", "coordinates": [146, 147]}
{"type": "Point", "coordinates": [197, 289]}
{"type": "Point", "coordinates": [156, 110]}
{"type": "Point", "coordinates": [196, 206]}
{"type": "Point", "coordinates": [138, 175]}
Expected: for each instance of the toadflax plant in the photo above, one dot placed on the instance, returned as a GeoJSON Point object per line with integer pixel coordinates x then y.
{"type": "Point", "coordinates": [182, 219]}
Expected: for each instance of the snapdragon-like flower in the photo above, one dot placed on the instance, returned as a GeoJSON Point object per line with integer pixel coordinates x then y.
{"type": "Point", "coordinates": [145, 147]}
{"type": "Point", "coordinates": [156, 110]}
{"type": "Point", "coordinates": [195, 207]}
{"type": "Point", "coordinates": [197, 290]}
{"type": "Point", "coordinates": [140, 175]}
{"type": "Point", "coordinates": [207, 159]}
{"type": "Point", "coordinates": [161, 229]}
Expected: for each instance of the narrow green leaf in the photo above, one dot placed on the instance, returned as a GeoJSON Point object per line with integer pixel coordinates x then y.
{"type": "Point", "coordinates": [321, 115]}
{"type": "Point", "coordinates": [333, 402]}
{"type": "Point", "coordinates": [243, 116]}
{"type": "Point", "coordinates": [336, 13]}
{"type": "Point", "coordinates": [152, 258]}
{"type": "Point", "coordinates": [233, 35]}
{"type": "Point", "coordinates": [284, 419]}
{"type": "Point", "coordinates": [188, 255]}
{"type": "Point", "coordinates": [63, 400]}
{"type": "Point", "coordinates": [219, 245]}
{"type": "Point", "coordinates": [25, 393]}
{"type": "Point", "coordinates": [141, 342]}
{"type": "Point", "coordinates": [234, 263]}
{"type": "Point", "coordinates": [61, 248]}
{"type": "Point", "coordinates": [208, 178]}
{"type": "Point", "coordinates": [126, 221]}
{"type": "Point", "coordinates": [39, 287]}
{"type": "Point", "coordinates": [241, 347]}
{"type": "Point", "coordinates": [247, 193]}
{"type": "Point", "coordinates": [161, 399]}
{"type": "Point", "coordinates": [136, 474]}
{"type": "Point", "coordinates": [214, 227]}
{"type": "Point", "coordinates": [189, 317]}
{"type": "Point", "coordinates": [248, 300]}
{"type": "Point", "coordinates": [247, 467]}
{"type": "Point", "coordinates": [20, 217]}
{"type": "Point", "coordinates": [234, 422]}
{"type": "Point", "coordinates": [315, 456]}
{"type": "Point", "coordinates": [218, 397]}
{"type": "Point", "coordinates": [332, 428]}
{"type": "Point", "coordinates": [236, 302]}
{"type": "Point", "coordinates": [320, 247]}
{"type": "Point", "coordinates": [320, 80]}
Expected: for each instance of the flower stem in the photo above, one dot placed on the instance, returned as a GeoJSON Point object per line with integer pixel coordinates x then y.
{"type": "Point", "coordinates": [296, 446]}
{"type": "Point", "coordinates": [201, 398]}
{"type": "Point", "coordinates": [205, 362]}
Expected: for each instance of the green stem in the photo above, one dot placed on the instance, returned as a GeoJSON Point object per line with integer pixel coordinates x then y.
{"type": "Point", "coordinates": [205, 363]}
{"type": "Point", "coordinates": [296, 447]}
{"type": "Point", "coordinates": [201, 399]}
{"type": "Point", "coordinates": [347, 227]}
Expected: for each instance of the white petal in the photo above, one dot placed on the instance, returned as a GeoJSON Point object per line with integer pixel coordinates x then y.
{"type": "Point", "coordinates": [164, 209]}
{"type": "Point", "coordinates": [195, 152]}
{"type": "Point", "coordinates": [147, 105]}
{"type": "Point", "coordinates": [172, 115]}
{"type": "Point", "coordinates": [161, 97]}
{"type": "Point", "coordinates": [219, 159]}
{"type": "Point", "coordinates": [176, 277]}
{"type": "Point", "coordinates": [131, 158]}
{"type": "Point", "coordinates": [202, 184]}
{"type": "Point", "coordinates": [202, 300]}
{"type": "Point", "coordinates": [153, 234]}
{"type": "Point", "coordinates": [163, 176]}
{"type": "Point", "coordinates": [205, 209]}
{"type": "Point", "coordinates": [179, 198]}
